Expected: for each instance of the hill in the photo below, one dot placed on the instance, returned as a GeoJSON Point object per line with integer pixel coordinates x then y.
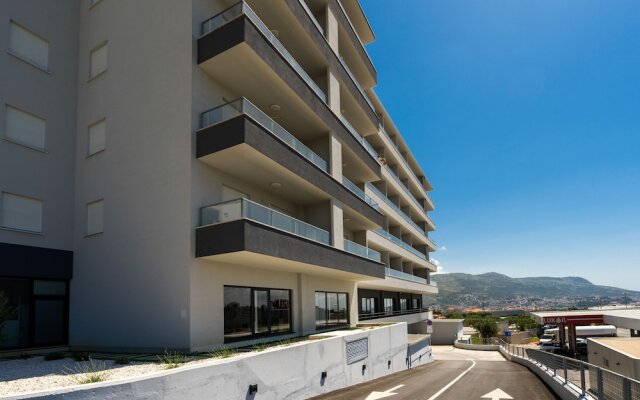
{"type": "Point", "coordinates": [493, 290]}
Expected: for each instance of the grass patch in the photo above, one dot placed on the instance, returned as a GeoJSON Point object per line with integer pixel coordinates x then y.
{"type": "Point", "coordinates": [534, 339]}
{"type": "Point", "coordinates": [87, 372]}
{"type": "Point", "coordinates": [225, 352]}
{"type": "Point", "coordinates": [173, 359]}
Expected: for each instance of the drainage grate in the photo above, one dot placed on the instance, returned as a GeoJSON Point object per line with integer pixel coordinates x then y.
{"type": "Point", "coordinates": [357, 350]}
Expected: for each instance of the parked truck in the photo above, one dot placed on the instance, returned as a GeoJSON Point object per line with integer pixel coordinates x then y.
{"type": "Point", "coordinates": [550, 340]}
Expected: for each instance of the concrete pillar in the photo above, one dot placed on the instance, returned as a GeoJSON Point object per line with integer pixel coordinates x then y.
{"type": "Point", "coordinates": [337, 224]}
{"type": "Point", "coordinates": [332, 30]}
{"type": "Point", "coordinates": [333, 92]}
{"type": "Point", "coordinates": [335, 158]}
{"type": "Point", "coordinates": [303, 307]}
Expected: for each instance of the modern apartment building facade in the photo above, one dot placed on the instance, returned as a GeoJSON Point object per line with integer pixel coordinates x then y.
{"type": "Point", "coordinates": [201, 173]}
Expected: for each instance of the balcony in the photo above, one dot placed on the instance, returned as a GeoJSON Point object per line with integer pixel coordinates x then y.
{"type": "Point", "coordinates": [244, 232]}
{"type": "Point", "coordinates": [399, 281]}
{"type": "Point", "coordinates": [401, 243]}
{"type": "Point", "coordinates": [240, 139]}
{"type": "Point", "coordinates": [360, 193]}
{"type": "Point", "coordinates": [406, 193]}
{"type": "Point", "coordinates": [397, 313]}
{"type": "Point", "coordinates": [362, 251]}
{"type": "Point", "coordinates": [265, 72]}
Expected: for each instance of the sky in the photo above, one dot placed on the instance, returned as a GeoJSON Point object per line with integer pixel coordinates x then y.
{"type": "Point", "coordinates": [525, 116]}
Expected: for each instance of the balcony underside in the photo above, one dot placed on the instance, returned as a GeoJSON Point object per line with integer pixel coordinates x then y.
{"type": "Point", "coordinates": [249, 243]}
{"type": "Point", "coordinates": [261, 74]}
{"type": "Point", "coordinates": [244, 149]}
{"type": "Point", "coordinates": [392, 284]}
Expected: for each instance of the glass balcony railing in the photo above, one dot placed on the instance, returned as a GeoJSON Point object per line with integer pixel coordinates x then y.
{"type": "Point", "coordinates": [395, 207]}
{"type": "Point", "coordinates": [244, 106]}
{"type": "Point", "coordinates": [243, 8]}
{"type": "Point", "coordinates": [404, 188]}
{"type": "Point", "coordinates": [359, 138]}
{"type": "Point", "coordinates": [362, 251]}
{"type": "Point", "coordinates": [246, 209]}
{"type": "Point", "coordinates": [356, 82]}
{"type": "Point", "coordinates": [313, 17]}
{"type": "Point", "coordinates": [404, 276]}
{"type": "Point", "coordinates": [400, 243]}
{"type": "Point", "coordinates": [360, 193]}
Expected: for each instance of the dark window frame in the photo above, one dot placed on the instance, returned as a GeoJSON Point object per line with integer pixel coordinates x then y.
{"type": "Point", "coordinates": [253, 334]}
{"type": "Point", "coordinates": [327, 324]}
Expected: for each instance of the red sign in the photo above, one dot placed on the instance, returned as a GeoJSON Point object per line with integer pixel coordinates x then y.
{"type": "Point", "coordinates": [554, 320]}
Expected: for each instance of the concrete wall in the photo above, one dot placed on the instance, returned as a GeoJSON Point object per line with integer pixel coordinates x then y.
{"type": "Point", "coordinates": [131, 283]}
{"type": "Point", "coordinates": [446, 331]}
{"type": "Point", "coordinates": [292, 372]}
{"type": "Point", "coordinates": [603, 350]}
{"type": "Point", "coordinates": [207, 297]}
{"type": "Point", "coordinates": [51, 95]}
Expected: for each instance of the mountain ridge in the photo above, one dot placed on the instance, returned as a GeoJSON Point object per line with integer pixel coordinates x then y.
{"type": "Point", "coordinates": [462, 290]}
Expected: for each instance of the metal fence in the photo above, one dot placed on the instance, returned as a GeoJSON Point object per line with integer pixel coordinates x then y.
{"type": "Point", "coordinates": [590, 380]}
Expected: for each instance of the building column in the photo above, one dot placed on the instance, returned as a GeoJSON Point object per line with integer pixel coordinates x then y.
{"type": "Point", "coordinates": [337, 222]}
{"type": "Point", "coordinates": [335, 158]}
{"type": "Point", "coordinates": [332, 30]}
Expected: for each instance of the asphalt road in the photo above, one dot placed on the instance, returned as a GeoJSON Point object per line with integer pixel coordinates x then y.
{"type": "Point", "coordinates": [455, 375]}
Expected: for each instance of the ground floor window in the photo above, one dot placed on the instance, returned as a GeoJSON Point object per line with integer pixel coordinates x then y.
{"type": "Point", "coordinates": [403, 304]}
{"type": "Point", "coordinates": [368, 305]}
{"type": "Point", "coordinates": [388, 305]}
{"type": "Point", "coordinates": [331, 309]}
{"type": "Point", "coordinates": [254, 312]}
{"type": "Point", "coordinates": [36, 312]}
{"type": "Point", "coordinates": [416, 303]}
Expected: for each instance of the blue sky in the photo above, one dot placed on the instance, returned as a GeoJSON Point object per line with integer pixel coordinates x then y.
{"type": "Point", "coordinates": [525, 115]}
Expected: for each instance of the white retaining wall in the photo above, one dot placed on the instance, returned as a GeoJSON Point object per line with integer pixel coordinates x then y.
{"type": "Point", "coordinates": [292, 372]}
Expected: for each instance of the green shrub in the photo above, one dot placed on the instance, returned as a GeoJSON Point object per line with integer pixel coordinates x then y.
{"type": "Point", "coordinates": [54, 356]}
{"type": "Point", "coordinates": [223, 353]}
{"type": "Point", "coordinates": [173, 359]}
{"type": "Point", "coordinates": [487, 328]}
{"type": "Point", "coordinates": [87, 372]}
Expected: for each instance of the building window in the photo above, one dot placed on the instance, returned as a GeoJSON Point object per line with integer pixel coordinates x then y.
{"type": "Point", "coordinates": [24, 128]}
{"type": "Point", "coordinates": [28, 46]}
{"type": "Point", "coordinates": [416, 303]}
{"type": "Point", "coordinates": [38, 313]}
{"type": "Point", "coordinates": [98, 61]}
{"type": "Point", "coordinates": [21, 213]}
{"type": "Point", "coordinates": [403, 304]}
{"type": "Point", "coordinates": [368, 305]}
{"type": "Point", "coordinates": [95, 217]}
{"type": "Point", "coordinates": [332, 309]}
{"type": "Point", "coordinates": [388, 306]}
{"type": "Point", "coordinates": [255, 312]}
{"type": "Point", "coordinates": [97, 137]}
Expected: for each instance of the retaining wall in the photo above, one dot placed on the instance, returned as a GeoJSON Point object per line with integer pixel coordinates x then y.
{"type": "Point", "coordinates": [292, 372]}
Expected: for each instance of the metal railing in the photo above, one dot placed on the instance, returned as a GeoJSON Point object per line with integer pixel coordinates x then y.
{"type": "Point", "coordinates": [406, 189]}
{"type": "Point", "coordinates": [360, 193]}
{"type": "Point", "coordinates": [362, 251]}
{"type": "Point", "coordinates": [395, 207]}
{"type": "Point", "coordinates": [244, 106]}
{"type": "Point", "coordinates": [587, 379]}
{"type": "Point", "coordinates": [356, 82]}
{"type": "Point", "coordinates": [246, 209]}
{"type": "Point", "coordinates": [400, 243]}
{"type": "Point", "coordinates": [391, 313]}
{"type": "Point", "coordinates": [359, 138]}
{"type": "Point", "coordinates": [404, 276]}
{"type": "Point", "coordinates": [242, 8]}
{"type": "Point", "coordinates": [404, 160]}
{"type": "Point", "coordinates": [310, 14]}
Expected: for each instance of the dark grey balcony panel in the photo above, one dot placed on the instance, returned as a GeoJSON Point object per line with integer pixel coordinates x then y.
{"type": "Point", "coordinates": [253, 237]}
{"type": "Point", "coordinates": [243, 129]}
{"type": "Point", "coordinates": [35, 262]}
{"type": "Point", "coordinates": [242, 30]}
{"type": "Point", "coordinates": [329, 54]}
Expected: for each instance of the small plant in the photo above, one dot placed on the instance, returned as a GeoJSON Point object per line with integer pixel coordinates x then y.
{"type": "Point", "coordinates": [223, 353]}
{"type": "Point", "coordinates": [173, 359]}
{"type": "Point", "coordinates": [80, 356]}
{"type": "Point", "coordinates": [87, 372]}
{"type": "Point", "coordinates": [260, 346]}
{"type": "Point", "coordinates": [122, 360]}
{"type": "Point", "coordinates": [54, 356]}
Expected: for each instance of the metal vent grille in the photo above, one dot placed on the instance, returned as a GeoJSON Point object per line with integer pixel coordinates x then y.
{"type": "Point", "coordinates": [357, 350]}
